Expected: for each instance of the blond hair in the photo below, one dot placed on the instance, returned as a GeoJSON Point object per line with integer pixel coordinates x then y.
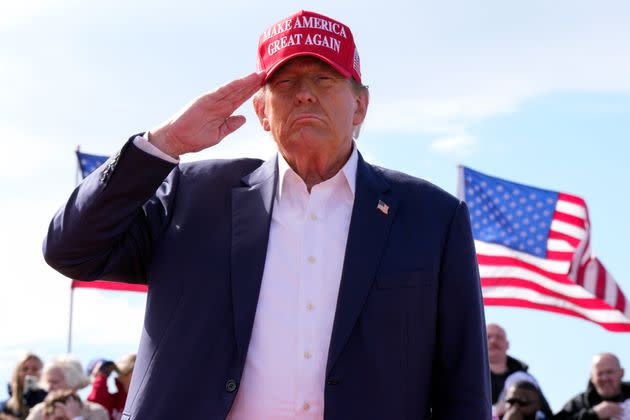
{"type": "Point", "coordinates": [16, 402]}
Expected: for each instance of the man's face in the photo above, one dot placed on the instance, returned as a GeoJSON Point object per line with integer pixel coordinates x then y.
{"type": "Point", "coordinates": [606, 375]}
{"type": "Point", "coordinates": [311, 109]}
{"type": "Point", "coordinates": [56, 380]}
{"type": "Point", "coordinates": [497, 342]}
{"type": "Point", "coordinates": [524, 401]}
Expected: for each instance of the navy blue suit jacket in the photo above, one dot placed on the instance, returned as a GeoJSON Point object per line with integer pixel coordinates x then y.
{"type": "Point", "coordinates": [408, 339]}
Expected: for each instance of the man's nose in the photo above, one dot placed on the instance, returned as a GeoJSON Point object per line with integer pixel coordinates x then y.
{"type": "Point", "coordinates": [304, 92]}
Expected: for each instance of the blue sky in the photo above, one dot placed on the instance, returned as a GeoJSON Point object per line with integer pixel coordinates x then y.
{"type": "Point", "coordinates": [536, 92]}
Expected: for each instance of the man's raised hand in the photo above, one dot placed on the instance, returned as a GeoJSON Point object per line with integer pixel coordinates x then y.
{"type": "Point", "coordinates": [206, 120]}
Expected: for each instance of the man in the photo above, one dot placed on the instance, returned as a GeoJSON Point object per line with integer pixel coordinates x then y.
{"type": "Point", "coordinates": [313, 285]}
{"type": "Point", "coordinates": [605, 394]}
{"type": "Point", "coordinates": [501, 364]}
{"type": "Point", "coordinates": [524, 401]}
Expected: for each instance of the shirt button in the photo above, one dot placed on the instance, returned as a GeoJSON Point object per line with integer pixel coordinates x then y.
{"type": "Point", "coordinates": [312, 259]}
{"type": "Point", "coordinates": [313, 216]}
{"type": "Point", "coordinates": [307, 355]}
{"type": "Point", "coordinates": [230, 385]}
{"type": "Point", "coordinates": [309, 307]}
{"type": "Point", "coordinates": [306, 406]}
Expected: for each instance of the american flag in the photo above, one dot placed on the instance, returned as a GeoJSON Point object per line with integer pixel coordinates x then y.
{"type": "Point", "coordinates": [533, 248]}
{"type": "Point", "coordinates": [89, 163]}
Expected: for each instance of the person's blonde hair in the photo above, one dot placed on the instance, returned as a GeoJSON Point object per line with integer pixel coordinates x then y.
{"type": "Point", "coordinates": [16, 402]}
{"type": "Point", "coordinates": [71, 369]}
{"type": "Point", "coordinates": [125, 364]}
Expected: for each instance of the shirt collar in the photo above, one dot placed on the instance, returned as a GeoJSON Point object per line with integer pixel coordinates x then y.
{"type": "Point", "coordinates": [349, 170]}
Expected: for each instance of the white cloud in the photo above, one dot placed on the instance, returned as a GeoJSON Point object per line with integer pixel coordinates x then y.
{"type": "Point", "coordinates": [457, 145]}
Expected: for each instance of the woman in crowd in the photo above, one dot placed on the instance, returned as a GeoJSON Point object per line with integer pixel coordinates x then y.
{"type": "Point", "coordinates": [66, 374]}
{"type": "Point", "coordinates": [23, 390]}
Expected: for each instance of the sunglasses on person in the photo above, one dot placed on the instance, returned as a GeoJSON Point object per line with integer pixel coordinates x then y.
{"type": "Point", "coordinates": [518, 401]}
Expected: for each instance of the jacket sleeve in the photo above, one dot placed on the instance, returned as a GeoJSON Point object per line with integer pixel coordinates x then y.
{"type": "Point", "coordinates": [106, 229]}
{"type": "Point", "coordinates": [461, 373]}
{"type": "Point", "coordinates": [575, 410]}
{"type": "Point", "coordinates": [100, 394]}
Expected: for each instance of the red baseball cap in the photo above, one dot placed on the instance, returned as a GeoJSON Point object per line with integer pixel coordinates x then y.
{"type": "Point", "coordinates": [308, 33]}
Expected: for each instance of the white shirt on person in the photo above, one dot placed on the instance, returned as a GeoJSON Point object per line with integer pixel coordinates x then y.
{"type": "Point", "coordinates": [285, 367]}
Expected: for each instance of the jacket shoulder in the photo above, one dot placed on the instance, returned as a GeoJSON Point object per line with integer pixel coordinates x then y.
{"type": "Point", "coordinates": [229, 167]}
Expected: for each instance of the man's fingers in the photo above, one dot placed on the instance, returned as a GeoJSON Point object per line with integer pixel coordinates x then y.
{"type": "Point", "coordinates": [230, 125]}
{"type": "Point", "coordinates": [236, 92]}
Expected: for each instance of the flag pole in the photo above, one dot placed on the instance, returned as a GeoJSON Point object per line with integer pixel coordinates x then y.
{"type": "Point", "coordinates": [76, 182]}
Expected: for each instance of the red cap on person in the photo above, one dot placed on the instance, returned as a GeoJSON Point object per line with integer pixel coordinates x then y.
{"type": "Point", "coordinates": [309, 33]}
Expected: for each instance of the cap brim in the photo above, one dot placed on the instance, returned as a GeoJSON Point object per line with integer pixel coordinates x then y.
{"type": "Point", "coordinates": [270, 71]}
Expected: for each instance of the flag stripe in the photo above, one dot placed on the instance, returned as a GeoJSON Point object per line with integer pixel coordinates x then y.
{"type": "Point", "coordinates": [586, 302]}
{"type": "Point", "coordinates": [571, 209]}
{"type": "Point", "coordinates": [569, 219]}
{"type": "Point", "coordinates": [560, 256]}
{"type": "Point", "coordinates": [571, 240]}
{"type": "Point", "coordinates": [597, 315]}
{"type": "Point", "coordinates": [572, 199]}
{"type": "Point", "coordinates": [567, 229]}
{"type": "Point", "coordinates": [489, 250]}
{"type": "Point", "coordinates": [559, 246]}
{"type": "Point", "coordinates": [572, 291]}
{"type": "Point", "coordinates": [610, 326]}
{"type": "Point", "coordinates": [515, 262]}
{"type": "Point", "coordinates": [565, 285]}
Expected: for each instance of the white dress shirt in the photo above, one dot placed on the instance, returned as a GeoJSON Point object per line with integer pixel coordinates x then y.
{"type": "Point", "coordinates": [285, 367]}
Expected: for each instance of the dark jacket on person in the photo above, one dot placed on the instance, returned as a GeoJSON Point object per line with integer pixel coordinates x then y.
{"type": "Point", "coordinates": [581, 406]}
{"type": "Point", "coordinates": [498, 380]}
{"type": "Point", "coordinates": [31, 398]}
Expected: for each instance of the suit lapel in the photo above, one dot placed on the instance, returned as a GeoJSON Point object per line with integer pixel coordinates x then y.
{"type": "Point", "coordinates": [369, 228]}
{"type": "Point", "coordinates": [251, 216]}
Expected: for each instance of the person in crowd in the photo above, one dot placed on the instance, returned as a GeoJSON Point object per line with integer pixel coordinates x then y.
{"type": "Point", "coordinates": [606, 394]}
{"type": "Point", "coordinates": [524, 401]}
{"type": "Point", "coordinates": [504, 367]}
{"type": "Point", "coordinates": [303, 286]}
{"type": "Point", "coordinates": [66, 374]}
{"type": "Point", "coordinates": [24, 392]}
{"type": "Point", "coordinates": [113, 402]}
{"type": "Point", "coordinates": [65, 404]}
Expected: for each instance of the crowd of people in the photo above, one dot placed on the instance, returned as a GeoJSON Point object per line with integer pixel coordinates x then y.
{"type": "Point", "coordinates": [517, 395]}
{"type": "Point", "coordinates": [39, 391]}
{"type": "Point", "coordinates": [49, 392]}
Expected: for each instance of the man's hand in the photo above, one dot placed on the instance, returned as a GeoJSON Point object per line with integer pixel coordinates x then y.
{"type": "Point", "coordinates": [607, 410]}
{"type": "Point", "coordinates": [513, 413]}
{"type": "Point", "coordinates": [104, 369]}
{"type": "Point", "coordinates": [206, 120]}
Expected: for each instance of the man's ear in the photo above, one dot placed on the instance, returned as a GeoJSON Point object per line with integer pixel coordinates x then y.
{"type": "Point", "coordinates": [259, 107]}
{"type": "Point", "coordinates": [362, 100]}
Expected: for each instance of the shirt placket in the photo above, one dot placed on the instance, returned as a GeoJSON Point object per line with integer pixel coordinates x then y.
{"type": "Point", "coordinates": [310, 302]}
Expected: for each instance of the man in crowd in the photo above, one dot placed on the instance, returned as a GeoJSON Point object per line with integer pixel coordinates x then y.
{"type": "Point", "coordinates": [312, 285]}
{"type": "Point", "coordinates": [524, 401]}
{"type": "Point", "coordinates": [606, 395]}
{"type": "Point", "coordinates": [501, 364]}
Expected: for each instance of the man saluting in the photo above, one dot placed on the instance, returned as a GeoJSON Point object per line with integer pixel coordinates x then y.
{"type": "Point", "coordinates": [313, 285]}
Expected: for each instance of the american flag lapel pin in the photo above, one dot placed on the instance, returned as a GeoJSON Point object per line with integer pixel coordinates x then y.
{"type": "Point", "coordinates": [382, 207]}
